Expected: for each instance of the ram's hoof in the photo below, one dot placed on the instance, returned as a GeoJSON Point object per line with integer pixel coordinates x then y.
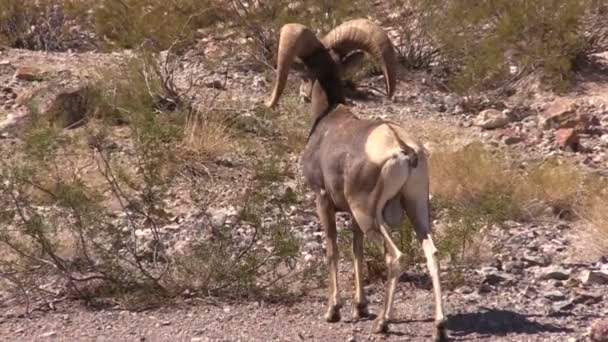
{"type": "Point", "coordinates": [441, 334]}
{"type": "Point", "coordinates": [333, 314]}
{"type": "Point", "coordinates": [360, 311]}
{"type": "Point", "coordinates": [380, 326]}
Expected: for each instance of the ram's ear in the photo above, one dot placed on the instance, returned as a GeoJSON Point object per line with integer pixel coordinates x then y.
{"type": "Point", "coordinates": [351, 63]}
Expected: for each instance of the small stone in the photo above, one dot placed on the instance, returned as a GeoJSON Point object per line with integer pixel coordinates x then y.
{"type": "Point", "coordinates": [562, 306]}
{"type": "Point", "coordinates": [554, 272]}
{"type": "Point", "coordinates": [48, 334]}
{"type": "Point", "coordinates": [514, 267]}
{"type": "Point", "coordinates": [567, 138]}
{"type": "Point", "coordinates": [598, 331]}
{"type": "Point", "coordinates": [165, 323]}
{"type": "Point", "coordinates": [27, 73]}
{"type": "Point", "coordinates": [352, 339]}
{"type": "Point", "coordinates": [491, 119]}
{"type": "Point", "coordinates": [493, 277]}
{"type": "Point", "coordinates": [215, 84]}
{"type": "Point", "coordinates": [555, 296]}
{"type": "Point", "coordinates": [5, 62]}
{"type": "Point", "coordinates": [595, 277]}
{"type": "Point", "coordinates": [564, 113]}
{"type": "Point", "coordinates": [587, 298]}
{"type": "Point", "coordinates": [533, 260]}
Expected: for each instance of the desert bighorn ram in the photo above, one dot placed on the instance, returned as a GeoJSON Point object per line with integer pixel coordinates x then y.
{"type": "Point", "coordinates": [371, 169]}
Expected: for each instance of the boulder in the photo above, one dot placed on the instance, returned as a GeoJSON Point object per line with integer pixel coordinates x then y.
{"type": "Point", "coordinates": [28, 73]}
{"type": "Point", "coordinates": [598, 331]}
{"type": "Point", "coordinates": [62, 106]}
{"type": "Point", "coordinates": [595, 277]}
{"type": "Point", "coordinates": [564, 113]}
{"type": "Point", "coordinates": [491, 119]}
{"type": "Point", "coordinates": [567, 138]}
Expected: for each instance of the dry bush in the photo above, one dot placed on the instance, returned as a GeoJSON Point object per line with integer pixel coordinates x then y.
{"type": "Point", "coordinates": [50, 25]}
{"type": "Point", "coordinates": [415, 46]}
{"type": "Point", "coordinates": [157, 23]}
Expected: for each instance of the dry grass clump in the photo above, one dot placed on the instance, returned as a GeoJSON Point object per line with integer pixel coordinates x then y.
{"type": "Point", "coordinates": [474, 188]}
{"type": "Point", "coordinates": [592, 233]}
{"type": "Point", "coordinates": [207, 135]}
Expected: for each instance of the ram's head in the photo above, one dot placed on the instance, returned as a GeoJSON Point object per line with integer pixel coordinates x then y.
{"type": "Point", "coordinates": [348, 44]}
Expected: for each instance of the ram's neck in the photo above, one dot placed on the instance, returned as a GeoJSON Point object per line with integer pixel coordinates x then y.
{"type": "Point", "coordinates": [326, 95]}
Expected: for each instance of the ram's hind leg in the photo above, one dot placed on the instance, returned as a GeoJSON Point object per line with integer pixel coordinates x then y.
{"type": "Point", "coordinates": [417, 207]}
{"type": "Point", "coordinates": [393, 176]}
{"type": "Point", "coordinates": [327, 216]}
{"type": "Point", "coordinates": [360, 309]}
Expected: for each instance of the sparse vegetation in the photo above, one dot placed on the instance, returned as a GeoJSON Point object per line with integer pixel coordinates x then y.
{"type": "Point", "coordinates": [50, 25]}
{"type": "Point", "coordinates": [474, 188]}
{"type": "Point", "coordinates": [84, 243]}
{"type": "Point", "coordinates": [488, 44]}
{"type": "Point", "coordinates": [157, 24]}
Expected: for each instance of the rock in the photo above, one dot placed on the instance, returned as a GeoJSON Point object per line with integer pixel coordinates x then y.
{"type": "Point", "coordinates": [598, 331]}
{"type": "Point", "coordinates": [492, 276]}
{"type": "Point", "coordinates": [60, 106]}
{"type": "Point", "coordinates": [48, 334]}
{"type": "Point", "coordinates": [595, 277]}
{"type": "Point", "coordinates": [491, 119]}
{"type": "Point", "coordinates": [220, 216]}
{"type": "Point", "coordinates": [561, 306]}
{"type": "Point", "coordinates": [12, 121]}
{"type": "Point", "coordinates": [587, 297]}
{"type": "Point", "coordinates": [533, 260]}
{"type": "Point", "coordinates": [28, 73]}
{"type": "Point", "coordinates": [564, 113]}
{"type": "Point", "coordinates": [555, 296]}
{"type": "Point", "coordinates": [509, 136]}
{"type": "Point", "coordinates": [567, 138]}
{"type": "Point", "coordinates": [554, 272]}
{"type": "Point", "coordinates": [215, 84]}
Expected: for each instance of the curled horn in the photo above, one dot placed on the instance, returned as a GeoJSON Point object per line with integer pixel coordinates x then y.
{"type": "Point", "coordinates": [362, 34]}
{"type": "Point", "coordinates": [294, 40]}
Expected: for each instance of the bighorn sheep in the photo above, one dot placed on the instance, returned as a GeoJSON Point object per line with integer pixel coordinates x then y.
{"type": "Point", "coordinates": [371, 169]}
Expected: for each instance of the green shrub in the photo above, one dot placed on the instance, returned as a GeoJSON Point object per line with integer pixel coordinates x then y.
{"type": "Point", "coordinates": [482, 40]}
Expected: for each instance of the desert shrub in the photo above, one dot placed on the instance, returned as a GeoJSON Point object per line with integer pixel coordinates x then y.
{"type": "Point", "coordinates": [58, 224]}
{"type": "Point", "coordinates": [50, 25]}
{"type": "Point", "coordinates": [414, 43]}
{"type": "Point", "coordinates": [483, 41]}
{"type": "Point", "coordinates": [157, 23]}
{"type": "Point", "coordinates": [472, 189]}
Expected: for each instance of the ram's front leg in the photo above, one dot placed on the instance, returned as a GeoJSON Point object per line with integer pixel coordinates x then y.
{"type": "Point", "coordinates": [327, 215]}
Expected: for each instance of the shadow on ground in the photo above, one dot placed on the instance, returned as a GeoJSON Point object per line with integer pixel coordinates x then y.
{"type": "Point", "coordinates": [499, 322]}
